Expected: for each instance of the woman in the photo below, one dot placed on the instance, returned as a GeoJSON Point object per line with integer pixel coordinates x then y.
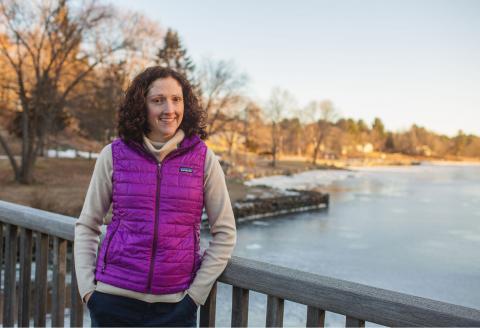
{"type": "Point", "coordinates": [158, 175]}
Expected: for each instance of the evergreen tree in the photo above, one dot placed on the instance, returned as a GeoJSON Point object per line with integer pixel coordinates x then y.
{"type": "Point", "coordinates": [173, 55]}
{"type": "Point", "coordinates": [362, 126]}
{"type": "Point", "coordinates": [378, 127]}
{"type": "Point", "coordinates": [460, 142]}
{"type": "Point", "coordinates": [389, 143]}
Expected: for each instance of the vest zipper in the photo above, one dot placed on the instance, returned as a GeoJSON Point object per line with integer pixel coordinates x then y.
{"type": "Point", "coordinates": [155, 233]}
{"type": "Point", "coordinates": [155, 236]}
{"type": "Point", "coordinates": [108, 246]}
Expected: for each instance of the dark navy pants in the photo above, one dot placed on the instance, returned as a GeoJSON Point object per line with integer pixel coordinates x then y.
{"type": "Point", "coordinates": [108, 310]}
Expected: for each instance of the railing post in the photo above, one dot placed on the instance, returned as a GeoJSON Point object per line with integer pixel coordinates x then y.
{"type": "Point", "coordinates": [76, 309]}
{"type": "Point", "coordinates": [41, 267]}
{"type": "Point", "coordinates": [207, 311]}
{"type": "Point", "coordinates": [25, 277]}
{"type": "Point", "coordinates": [239, 307]}
{"type": "Point", "coordinates": [58, 288]}
{"type": "Point", "coordinates": [274, 312]}
{"type": "Point", "coordinates": [354, 322]}
{"type": "Point", "coordinates": [10, 275]}
{"type": "Point", "coordinates": [315, 317]}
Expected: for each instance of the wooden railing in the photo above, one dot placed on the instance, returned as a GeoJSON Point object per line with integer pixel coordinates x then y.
{"type": "Point", "coordinates": [43, 241]}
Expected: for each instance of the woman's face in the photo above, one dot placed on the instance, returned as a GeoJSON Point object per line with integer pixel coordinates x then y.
{"type": "Point", "coordinates": [165, 108]}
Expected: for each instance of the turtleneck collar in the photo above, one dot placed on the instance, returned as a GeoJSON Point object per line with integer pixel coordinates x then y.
{"type": "Point", "coordinates": [161, 149]}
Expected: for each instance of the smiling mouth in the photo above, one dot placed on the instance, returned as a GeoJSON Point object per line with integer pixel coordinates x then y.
{"type": "Point", "coordinates": [165, 120]}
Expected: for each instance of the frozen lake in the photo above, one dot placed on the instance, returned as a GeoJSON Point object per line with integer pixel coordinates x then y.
{"type": "Point", "coordinates": [410, 229]}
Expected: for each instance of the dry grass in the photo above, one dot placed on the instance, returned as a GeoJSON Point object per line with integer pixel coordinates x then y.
{"type": "Point", "coordinates": [60, 185]}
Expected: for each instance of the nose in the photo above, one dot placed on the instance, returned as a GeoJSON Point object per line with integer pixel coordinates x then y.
{"type": "Point", "coordinates": [168, 107]}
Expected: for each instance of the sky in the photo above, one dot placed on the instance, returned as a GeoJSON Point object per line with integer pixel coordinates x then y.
{"type": "Point", "coordinates": [403, 61]}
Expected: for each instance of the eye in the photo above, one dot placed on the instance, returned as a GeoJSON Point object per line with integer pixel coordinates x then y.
{"type": "Point", "coordinates": [159, 100]}
{"type": "Point", "coordinates": [177, 99]}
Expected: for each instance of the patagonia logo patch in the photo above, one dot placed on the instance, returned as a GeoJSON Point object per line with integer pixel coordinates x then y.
{"type": "Point", "coordinates": [186, 169]}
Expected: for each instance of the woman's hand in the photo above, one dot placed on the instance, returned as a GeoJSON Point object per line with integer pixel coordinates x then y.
{"type": "Point", "coordinates": [87, 297]}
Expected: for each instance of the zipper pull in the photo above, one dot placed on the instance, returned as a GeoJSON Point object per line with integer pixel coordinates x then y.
{"type": "Point", "coordinates": [103, 267]}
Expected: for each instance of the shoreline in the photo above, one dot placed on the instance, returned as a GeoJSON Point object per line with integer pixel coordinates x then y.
{"type": "Point", "coordinates": [250, 166]}
{"type": "Point", "coordinates": [66, 191]}
{"type": "Point", "coordinates": [270, 186]}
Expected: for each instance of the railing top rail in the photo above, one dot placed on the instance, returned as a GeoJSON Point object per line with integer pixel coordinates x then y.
{"type": "Point", "coordinates": [360, 301]}
{"type": "Point", "coordinates": [38, 220]}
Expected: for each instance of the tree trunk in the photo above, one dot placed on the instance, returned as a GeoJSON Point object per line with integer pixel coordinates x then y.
{"type": "Point", "coordinates": [231, 142]}
{"type": "Point", "coordinates": [25, 142]}
{"type": "Point", "coordinates": [26, 174]}
{"type": "Point", "coordinates": [11, 158]}
{"type": "Point", "coordinates": [274, 159]}
{"type": "Point", "coordinates": [322, 133]}
{"type": "Point", "coordinates": [230, 147]}
{"type": "Point", "coordinates": [41, 147]}
{"type": "Point", "coordinates": [315, 153]}
{"type": "Point", "coordinates": [28, 149]}
{"type": "Point", "coordinates": [274, 145]}
{"type": "Point", "coordinates": [28, 164]}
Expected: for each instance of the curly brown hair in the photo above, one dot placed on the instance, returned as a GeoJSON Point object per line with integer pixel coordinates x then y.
{"type": "Point", "coordinates": [132, 114]}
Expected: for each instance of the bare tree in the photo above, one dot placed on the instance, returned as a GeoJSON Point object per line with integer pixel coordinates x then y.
{"type": "Point", "coordinates": [277, 107]}
{"type": "Point", "coordinates": [252, 118]}
{"type": "Point", "coordinates": [221, 87]}
{"type": "Point", "coordinates": [322, 115]}
{"type": "Point", "coordinates": [232, 134]}
{"type": "Point", "coordinates": [293, 138]}
{"type": "Point", "coordinates": [96, 103]}
{"type": "Point", "coordinates": [52, 46]}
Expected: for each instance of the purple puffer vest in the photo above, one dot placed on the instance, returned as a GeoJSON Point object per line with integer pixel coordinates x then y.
{"type": "Point", "coordinates": [152, 244]}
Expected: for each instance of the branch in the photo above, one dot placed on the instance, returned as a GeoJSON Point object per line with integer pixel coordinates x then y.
{"type": "Point", "coordinates": [77, 80]}
{"type": "Point", "coordinates": [7, 55]}
{"type": "Point", "coordinates": [17, 33]}
{"type": "Point", "coordinates": [40, 44]}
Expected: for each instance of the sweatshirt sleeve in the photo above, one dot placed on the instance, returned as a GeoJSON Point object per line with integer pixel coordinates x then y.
{"type": "Point", "coordinates": [222, 227]}
{"type": "Point", "coordinates": [87, 227]}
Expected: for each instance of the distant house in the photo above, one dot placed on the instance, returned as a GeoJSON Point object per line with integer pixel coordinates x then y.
{"type": "Point", "coordinates": [365, 148]}
{"type": "Point", "coordinates": [423, 150]}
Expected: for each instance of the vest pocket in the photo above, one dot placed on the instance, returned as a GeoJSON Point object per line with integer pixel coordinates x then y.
{"type": "Point", "coordinates": [108, 246]}
{"type": "Point", "coordinates": [194, 249]}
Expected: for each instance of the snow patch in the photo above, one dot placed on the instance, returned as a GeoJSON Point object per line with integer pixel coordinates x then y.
{"type": "Point", "coordinates": [302, 181]}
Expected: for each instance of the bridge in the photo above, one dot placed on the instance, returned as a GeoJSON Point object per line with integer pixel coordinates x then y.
{"type": "Point", "coordinates": [40, 245]}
